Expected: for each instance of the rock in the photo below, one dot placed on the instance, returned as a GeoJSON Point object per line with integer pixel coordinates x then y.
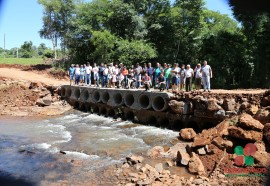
{"type": "Point", "coordinates": [229, 104]}
{"type": "Point", "coordinates": [240, 133]}
{"type": "Point", "coordinates": [187, 134]}
{"type": "Point", "coordinates": [262, 158]}
{"type": "Point", "coordinates": [40, 102]}
{"type": "Point", "coordinates": [156, 152]}
{"type": "Point", "coordinates": [197, 181]}
{"type": "Point", "coordinates": [35, 85]}
{"type": "Point", "coordinates": [244, 105]}
{"type": "Point", "coordinates": [247, 121]}
{"type": "Point", "coordinates": [177, 106]}
{"type": "Point", "coordinates": [179, 147]}
{"type": "Point", "coordinates": [212, 105]}
{"type": "Point", "coordinates": [159, 167]}
{"type": "Point", "coordinates": [195, 165]}
{"type": "Point", "coordinates": [221, 143]}
{"type": "Point", "coordinates": [266, 132]}
{"type": "Point", "coordinates": [220, 114]}
{"type": "Point", "coordinates": [260, 146]}
{"type": "Point", "coordinates": [253, 109]}
{"type": "Point", "coordinates": [169, 163]}
{"type": "Point", "coordinates": [144, 182]}
{"type": "Point", "coordinates": [265, 101]}
{"type": "Point", "coordinates": [47, 100]}
{"type": "Point", "coordinates": [263, 116]}
{"type": "Point", "coordinates": [125, 165]}
{"type": "Point", "coordinates": [222, 128]}
{"type": "Point", "coordinates": [183, 157]}
{"type": "Point", "coordinates": [201, 151]}
{"type": "Point", "coordinates": [135, 159]}
{"type": "Point", "coordinates": [143, 169]}
{"type": "Point", "coordinates": [200, 141]}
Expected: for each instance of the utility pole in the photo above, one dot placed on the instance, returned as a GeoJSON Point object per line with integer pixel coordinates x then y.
{"type": "Point", "coordinates": [4, 45]}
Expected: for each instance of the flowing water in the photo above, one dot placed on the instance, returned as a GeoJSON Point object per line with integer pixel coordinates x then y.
{"type": "Point", "coordinates": [30, 148]}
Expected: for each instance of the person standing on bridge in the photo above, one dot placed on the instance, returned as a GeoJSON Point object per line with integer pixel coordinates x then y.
{"type": "Point", "coordinates": [189, 73]}
{"type": "Point", "coordinates": [77, 75]}
{"type": "Point", "coordinates": [95, 71]}
{"type": "Point", "coordinates": [88, 70]}
{"type": "Point", "coordinates": [198, 77]}
{"type": "Point", "coordinates": [71, 73]}
{"type": "Point", "coordinates": [206, 75]}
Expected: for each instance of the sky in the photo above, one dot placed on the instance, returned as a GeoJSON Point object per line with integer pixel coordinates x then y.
{"type": "Point", "coordinates": [20, 21]}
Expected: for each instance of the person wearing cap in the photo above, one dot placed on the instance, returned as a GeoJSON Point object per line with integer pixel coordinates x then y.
{"type": "Point", "coordinates": [198, 77]}
{"type": "Point", "coordinates": [71, 73]}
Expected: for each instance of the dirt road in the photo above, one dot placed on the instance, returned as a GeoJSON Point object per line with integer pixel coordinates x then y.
{"type": "Point", "coordinates": [17, 74]}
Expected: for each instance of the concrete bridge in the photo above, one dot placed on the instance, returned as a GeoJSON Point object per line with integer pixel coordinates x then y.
{"type": "Point", "coordinates": [136, 105]}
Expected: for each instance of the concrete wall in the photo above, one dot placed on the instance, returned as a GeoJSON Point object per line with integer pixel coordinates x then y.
{"type": "Point", "coordinates": [149, 108]}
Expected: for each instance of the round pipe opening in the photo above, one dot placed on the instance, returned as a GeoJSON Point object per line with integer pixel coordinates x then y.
{"type": "Point", "coordinates": [152, 120]}
{"type": "Point", "coordinates": [77, 93]}
{"type": "Point", "coordinates": [117, 98]}
{"type": "Point", "coordinates": [105, 97]}
{"type": "Point", "coordinates": [158, 103]}
{"type": "Point", "coordinates": [129, 100]}
{"type": "Point", "coordinates": [129, 116]}
{"type": "Point", "coordinates": [96, 96]}
{"type": "Point", "coordinates": [85, 95]}
{"type": "Point", "coordinates": [144, 101]}
{"type": "Point", "coordinates": [102, 111]}
{"type": "Point", "coordinates": [68, 92]}
{"type": "Point", "coordinates": [111, 113]}
{"type": "Point", "coordinates": [63, 92]}
{"type": "Point", "coordinates": [76, 105]}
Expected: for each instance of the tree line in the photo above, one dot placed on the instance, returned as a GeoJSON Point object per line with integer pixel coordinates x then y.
{"type": "Point", "coordinates": [28, 50]}
{"type": "Point", "coordinates": [183, 31]}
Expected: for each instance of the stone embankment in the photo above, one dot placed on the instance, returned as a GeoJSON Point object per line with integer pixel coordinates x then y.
{"type": "Point", "coordinates": [25, 98]}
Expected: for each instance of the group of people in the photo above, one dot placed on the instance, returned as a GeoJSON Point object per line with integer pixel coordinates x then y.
{"type": "Point", "coordinates": [162, 77]}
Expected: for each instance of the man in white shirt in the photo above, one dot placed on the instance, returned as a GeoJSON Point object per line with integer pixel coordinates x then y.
{"type": "Point", "coordinates": [88, 70]}
{"type": "Point", "coordinates": [189, 73]}
{"type": "Point", "coordinates": [206, 75]}
{"type": "Point", "coordinates": [95, 71]}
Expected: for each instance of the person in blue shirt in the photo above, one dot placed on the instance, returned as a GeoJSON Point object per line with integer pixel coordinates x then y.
{"type": "Point", "coordinates": [71, 73]}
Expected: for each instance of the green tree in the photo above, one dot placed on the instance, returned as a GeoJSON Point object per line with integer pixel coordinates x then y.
{"type": "Point", "coordinates": [26, 50]}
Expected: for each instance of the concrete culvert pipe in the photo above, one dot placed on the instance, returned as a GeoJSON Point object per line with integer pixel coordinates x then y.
{"type": "Point", "coordinates": [105, 96]}
{"type": "Point", "coordinates": [102, 111]}
{"type": "Point", "coordinates": [159, 103]}
{"type": "Point", "coordinates": [144, 101]}
{"type": "Point", "coordinates": [129, 116]}
{"type": "Point", "coordinates": [85, 95]}
{"type": "Point", "coordinates": [77, 93]}
{"type": "Point", "coordinates": [63, 92]}
{"type": "Point", "coordinates": [87, 107]}
{"type": "Point", "coordinates": [118, 99]}
{"type": "Point", "coordinates": [129, 100]}
{"type": "Point", "coordinates": [68, 92]}
{"type": "Point", "coordinates": [164, 122]}
{"type": "Point", "coordinates": [96, 96]}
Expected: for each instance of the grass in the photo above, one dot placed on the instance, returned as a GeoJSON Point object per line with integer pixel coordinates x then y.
{"type": "Point", "coordinates": [21, 61]}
